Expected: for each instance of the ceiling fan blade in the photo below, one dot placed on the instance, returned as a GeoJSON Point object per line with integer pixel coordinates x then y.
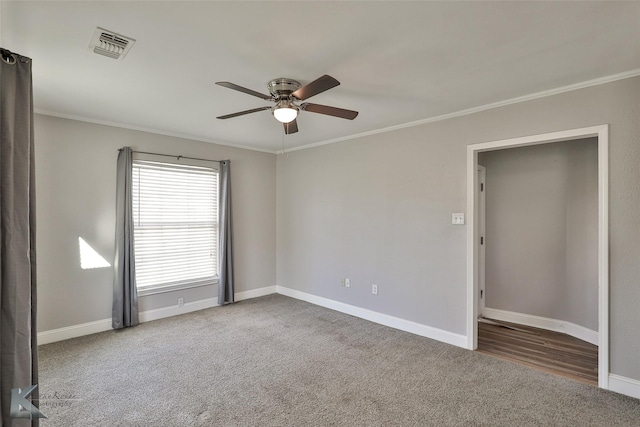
{"type": "Point", "coordinates": [245, 90]}
{"type": "Point", "coordinates": [291, 127]}
{"type": "Point", "coordinates": [315, 87]}
{"type": "Point", "coordinates": [329, 111]}
{"type": "Point", "coordinates": [242, 113]}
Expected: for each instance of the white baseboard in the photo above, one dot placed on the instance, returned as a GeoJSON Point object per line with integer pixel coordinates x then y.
{"type": "Point", "coordinates": [254, 293]}
{"type": "Point", "coordinates": [563, 326]}
{"type": "Point", "coordinates": [68, 332]}
{"type": "Point", "coordinates": [383, 319]}
{"type": "Point", "coordinates": [624, 385]}
{"type": "Point", "coordinates": [94, 327]}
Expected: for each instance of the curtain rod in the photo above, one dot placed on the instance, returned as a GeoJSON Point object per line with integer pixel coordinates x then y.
{"type": "Point", "coordinates": [177, 157]}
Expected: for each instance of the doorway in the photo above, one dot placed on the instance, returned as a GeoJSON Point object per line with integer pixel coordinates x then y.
{"type": "Point", "coordinates": [475, 289]}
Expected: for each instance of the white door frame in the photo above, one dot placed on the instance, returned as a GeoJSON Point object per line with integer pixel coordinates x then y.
{"type": "Point", "coordinates": [481, 185]}
{"type": "Point", "coordinates": [602, 133]}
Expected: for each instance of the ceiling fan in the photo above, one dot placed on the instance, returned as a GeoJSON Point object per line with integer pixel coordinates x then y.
{"type": "Point", "coordinates": [285, 93]}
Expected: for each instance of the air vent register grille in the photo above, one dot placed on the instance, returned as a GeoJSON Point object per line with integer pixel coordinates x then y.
{"type": "Point", "coordinates": [110, 44]}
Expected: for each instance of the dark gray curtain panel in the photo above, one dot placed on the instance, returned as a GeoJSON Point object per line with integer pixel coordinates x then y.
{"type": "Point", "coordinates": [18, 344]}
{"type": "Point", "coordinates": [124, 312]}
{"type": "Point", "coordinates": [225, 288]}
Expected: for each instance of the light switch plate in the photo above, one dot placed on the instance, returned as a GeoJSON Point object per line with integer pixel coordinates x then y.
{"type": "Point", "coordinates": [457, 218]}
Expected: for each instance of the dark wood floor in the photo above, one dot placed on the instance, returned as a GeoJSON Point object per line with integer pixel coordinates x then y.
{"type": "Point", "coordinates": [549, 351]}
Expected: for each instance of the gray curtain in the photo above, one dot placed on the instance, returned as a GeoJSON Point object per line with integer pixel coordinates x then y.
{"type": "Point", "coordinates": [18, 344]}
{"type": "Point", "coordinates": [225, 289]}
{"type": "Point", "coordinates": [124, 312]}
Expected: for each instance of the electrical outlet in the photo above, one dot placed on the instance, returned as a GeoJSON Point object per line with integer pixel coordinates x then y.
{"type": "Point", "coordinates": [180, 302]}
{"type": "Point", "coordinates": [457, 218]}
{"type": "Point", "coordinates": [374, 289]}
{"type": "Point", "coordinates": [347, 283]}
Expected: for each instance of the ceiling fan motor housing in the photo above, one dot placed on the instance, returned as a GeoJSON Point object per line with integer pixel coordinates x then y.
{"type": "Point", "coordinates": [283, 87]}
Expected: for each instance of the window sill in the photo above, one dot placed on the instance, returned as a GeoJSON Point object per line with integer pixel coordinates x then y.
{"type": "Point", "coordinates": [161, 289]}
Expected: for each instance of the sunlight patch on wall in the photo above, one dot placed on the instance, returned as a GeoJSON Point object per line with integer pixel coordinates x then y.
{"type": "Point", "coordinates": [89, 258]}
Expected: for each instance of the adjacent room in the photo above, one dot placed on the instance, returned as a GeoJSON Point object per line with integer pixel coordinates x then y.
{"type": "Point", "coordinates": [319, 213]}
{"type": "Point", "coordinates": [539, 226]}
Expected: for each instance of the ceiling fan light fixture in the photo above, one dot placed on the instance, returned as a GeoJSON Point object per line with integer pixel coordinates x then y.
{"type": "Point", "coordinates": [285, 112]}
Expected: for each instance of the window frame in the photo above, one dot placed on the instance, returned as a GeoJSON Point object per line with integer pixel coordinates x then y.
{"type": "Point", "coordinates": [187, 284]}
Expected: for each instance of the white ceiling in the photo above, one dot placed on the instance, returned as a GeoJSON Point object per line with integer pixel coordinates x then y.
{"type": "Point", "coordinates": [397, 62]}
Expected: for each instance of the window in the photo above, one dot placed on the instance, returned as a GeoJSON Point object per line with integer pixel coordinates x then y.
{"type": "Point", "coordinates": [175, 221]}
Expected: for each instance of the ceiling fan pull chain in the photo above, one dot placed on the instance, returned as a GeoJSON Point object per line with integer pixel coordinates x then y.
{"type": "Point", "coordinates": [283, 151]}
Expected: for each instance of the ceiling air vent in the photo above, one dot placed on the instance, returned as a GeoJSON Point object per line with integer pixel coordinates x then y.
{"type": "Point", "coordinates": [110, 44]}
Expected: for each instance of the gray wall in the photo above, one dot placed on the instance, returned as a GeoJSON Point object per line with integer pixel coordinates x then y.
{"type": "Point", "coordinates": [542, 230]}
{"type": "Point", "coordinates": [378, 210]}
{"type": "Point", "coordinates": [75, 179]}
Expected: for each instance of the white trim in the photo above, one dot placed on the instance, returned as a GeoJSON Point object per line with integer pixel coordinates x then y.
{"type": "Point", "coordinates": [555, 325]}
{"type": "Point", "coordinates": [254, 293]}
{"type": "Point", "coordinates": [545, 138]}
{"type": "Point", "coordinates": [482, 230]}
{"type": "Point", "coordinates": [472, 253]}
{"type": "Point", "coordinates": [89, 328]}
{"type": "Point", "coordinates": [373, 316]}
{"type": "Point", "coordinates": [68, 332]}
{"type": "Point", "coordinates": [623, 385]}
{"type": "Point", "coordinates": [603, 256]}
{"type": "Point", "coordinates": [154, 290]}
{"type": "Point", "coordinates": [602, 133]}
{"type": "Point", "coordinates": [147, 130]}
{"type": "Point", "coordinates": [545, 93]}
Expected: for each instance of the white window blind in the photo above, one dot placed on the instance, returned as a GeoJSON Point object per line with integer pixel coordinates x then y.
{"type": "Point", "coordinates": [175, 216]}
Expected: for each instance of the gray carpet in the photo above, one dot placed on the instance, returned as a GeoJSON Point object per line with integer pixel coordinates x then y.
{"type": "Point", "coordinates": [276, 361]}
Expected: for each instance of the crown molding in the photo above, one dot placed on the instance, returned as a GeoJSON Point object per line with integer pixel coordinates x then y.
{"type": "Point", "coordinates": [537, 95]}
{"type": "Point", "coordinates": [147, 130]}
